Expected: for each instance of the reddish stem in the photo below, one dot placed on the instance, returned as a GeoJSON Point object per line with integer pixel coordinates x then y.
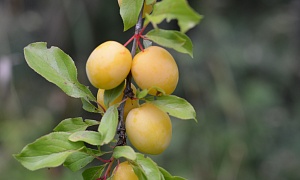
{"type": "Point", "coordinates": [142, 30]}
{"type": "Point", "coordinates": [103, 160]}
{"type": "Point", "coordinates": [137, 37]}
{"type": "Point", "coordinates": [140, 46]}
{"type": "Point", "coordinates": [108, 169]}
{"type": "Point", "coordinates": [129, 41]}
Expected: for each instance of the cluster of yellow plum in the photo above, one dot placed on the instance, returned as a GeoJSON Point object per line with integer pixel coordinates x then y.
{"type": "Point", "coordinates": [148, 128]}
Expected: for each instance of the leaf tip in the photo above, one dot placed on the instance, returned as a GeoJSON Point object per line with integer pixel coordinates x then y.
{"type": "Point", "coordinates": [196, 120]}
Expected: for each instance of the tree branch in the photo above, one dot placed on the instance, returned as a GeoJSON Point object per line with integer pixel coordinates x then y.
{"type": "Point", "coordinates": [128, 93]}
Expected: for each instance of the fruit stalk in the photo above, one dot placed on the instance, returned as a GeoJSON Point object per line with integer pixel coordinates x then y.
{"type": "Point", "coordinates": [128, 93]}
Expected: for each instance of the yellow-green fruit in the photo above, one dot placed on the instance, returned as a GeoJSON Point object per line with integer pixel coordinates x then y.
{"type": "Point", "coordinates": [124, 172]}
{"type": "Point", "coordinates": [129, 104]}
{"type": "Point", "coordinates": [108, 65]}
{"type": "Point", "coordinates": [155, 66]}
{"type": "Point", "coordinates": [149, 129]}
{"type": "Point", "coordinates": [147, 8]}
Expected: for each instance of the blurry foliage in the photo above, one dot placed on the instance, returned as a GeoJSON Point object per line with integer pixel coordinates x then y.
{"type": "Point", "coordinates": [243, 82]}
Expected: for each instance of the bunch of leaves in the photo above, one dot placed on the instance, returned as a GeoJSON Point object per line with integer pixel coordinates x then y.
{"type": "Point", "coordinates": [72, 143]}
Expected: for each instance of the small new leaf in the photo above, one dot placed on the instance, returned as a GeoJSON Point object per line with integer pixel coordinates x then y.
{"type": "Point", "coordinates": [158, 89]}
{"type": "Point", "coordinates": [142, 94]}
{"type": "Point", "coordinates": [57, 67]}
{"type": "Point", "coordinates": [90, 137]}
{"type": "Point", "coordinates": [48, 151]}
{"type": "Point", "coordinates": [172, 39]}
{"type": "Point", "coordinates": [108, 125]}
{"type": "Point", "coordinates": [124, 151]}
{"type": "Point", "coordinates": [93, 172]}
{"type": "Point", "coordinates": [130, 10]}
{"type": "Point", "coordinates": [112, 94]}
{"type": "Point", "coordinates": [175, 106]}
{"type": "Point", "coordinates": [74, 124]}
{"type": "Point", "coordinates": [89, 107]}
{"type": "Point", "coordinates": [169, 9]}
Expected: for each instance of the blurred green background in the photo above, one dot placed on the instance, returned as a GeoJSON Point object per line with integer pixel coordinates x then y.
{"type": "Point", "coordinates": [244, 83]}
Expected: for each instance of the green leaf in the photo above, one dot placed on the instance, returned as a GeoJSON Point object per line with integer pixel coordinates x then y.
{"type": "Point", "coordinates": [142, 94]}
{"type": "Point", "coordinates": [89, 107]}
{"type": "Point", "coordinates": [172, 39]}
{"type": "Point", "coordinates": [108, 125]}
{"type": "Point", "coordinates": [149, 167]}
{"type": "Point", "coordinates": [130, 10]}
{"type": "Point", "coordinates": [48, 151]}
{"type": "Point", "coordinates": [113, 94]}
{"type": "Point", "coordinates": [167, 176]}
{"type": "Point", "coordinates": [169, 9]}
{"type": "Point", "coordinates": [90, 137]}
{"type": "Point", "coordinates": [93, 173]}
{"type": "Point", "coordinates": [124, 151]}
{"type": "Point", "coordinates": [175, 106]}
{"type": "Point", "coordinates": [165, 173]}
{"type": "Point", "coordinates": [74, 124]}
{"type": "Point", "coordinates": [160, 90]}
{"type": "Point", "coordinates": [57, 67]}
{"type": "Point", "coordinates": [78, 160]}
